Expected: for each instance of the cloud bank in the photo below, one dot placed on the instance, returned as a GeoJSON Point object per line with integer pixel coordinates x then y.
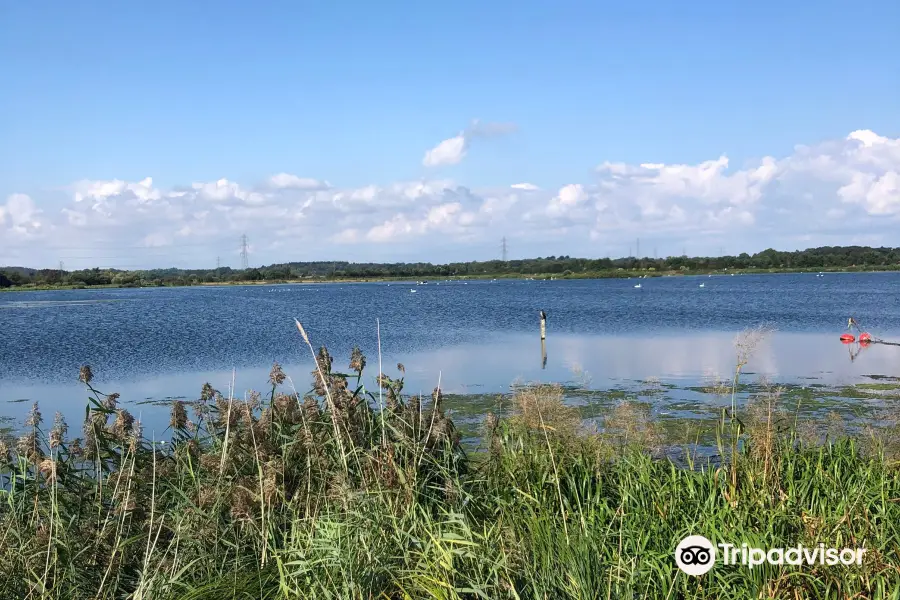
{"type": "Point", "coordinates": [841, 191]}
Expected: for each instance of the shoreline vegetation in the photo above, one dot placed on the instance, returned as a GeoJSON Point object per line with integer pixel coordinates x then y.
{"type": "Point", "coordinates": [348, 492]}
{"type": "Point", "coordinates": [814, 260]}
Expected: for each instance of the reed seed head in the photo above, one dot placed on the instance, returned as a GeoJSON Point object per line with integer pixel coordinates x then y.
{"type": "Point", "coordinates": [58, 431]}
{"type": "Point", "coordinates": [34, 416]}
{"type": "Point", "coordinates": [747, 341]}
{"type": "Point", "coordinates": [302, 331]}
{"type": "Point", "coordinates": [85, 374]}
{"type": "Point", "coordinates": [276, 375]}
{"type": "Point", "coordinates": [179, 415]}
{"type": "Point", "coordinates": [47, 468]}
{"type": "Point", "coordinates": [111, 401]}
{"type": "Point", "coordinates": [357, 360]}
{"type": "Point", "coordinates": [122, 425]}
{"type": "Point", "coordinates": [28, 447]}
{"type": "Point", "coordinates": [75, 448]}
{"type": "Point", "coordinates": [311, 411]}
{"type": "Point", "coordinates": [207, 393]}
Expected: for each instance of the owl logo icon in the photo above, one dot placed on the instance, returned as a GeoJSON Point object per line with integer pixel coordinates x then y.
{"type": "Point", "coordinates": [695, 555]}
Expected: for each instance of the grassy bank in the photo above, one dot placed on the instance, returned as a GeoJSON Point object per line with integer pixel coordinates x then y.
{"type": "Point", "coordinates": [327, 495]}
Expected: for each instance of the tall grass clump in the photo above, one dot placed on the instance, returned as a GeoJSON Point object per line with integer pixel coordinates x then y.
{"type": "Point", "coordinates": [323, 494]}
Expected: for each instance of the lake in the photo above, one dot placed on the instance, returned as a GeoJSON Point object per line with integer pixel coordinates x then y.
{"type": "Point", "coordinates": [477, 337]}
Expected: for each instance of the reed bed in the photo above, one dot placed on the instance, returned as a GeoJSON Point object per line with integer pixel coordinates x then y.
{"type": "Point", "coordinates": [344, 492]}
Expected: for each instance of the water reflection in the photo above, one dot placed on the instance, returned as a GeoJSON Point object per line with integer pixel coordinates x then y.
{"type": "Point", "coordinates": [493, 366]}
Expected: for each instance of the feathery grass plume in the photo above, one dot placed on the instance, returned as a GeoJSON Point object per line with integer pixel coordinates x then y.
{"type": "Point", "coordinates": [542, 407]}
{"type": "Point", "coordinates": [254, 400]}
{"type": "Point", "coordinates": [58, 431]}
{"type": "Point", "coordinates": [121, 427]}
{"type": "Point", "coordinates": [5, 454]}
{"type": "Point", "coordinates": [85, 374]}
{"type": "Point", "coordinates": [29, 448]}
{"type": "Point", "coordinates": [111, 402]}
{"type": "Point", "coordinates": [630, 424]}
{"type": "Point", "coordinates": [286, 408]}
{"type": "Point", "coordinates": [47, 468]}
{"type": "Point", "coordinates": [270, 485]}
{"type": "Point", "coordinates": [210, 461]}
{"type": "Point", "coordinates": [327, 394]}
{"type": "Point", "coordinates": [747, 341]}
{"type": "Point", "coordinates": [76, 449]}
{"type": "Point", "coordinates": [766, 425]}
{"type": "Point", "coordinates": [34, 416]}
{"type": "Point", "coordinates": [276, 375]}
{"type": "Point", "coordinates": [357, 361]}
{"type": "Point", "coordinates": [179, 416]}
{"type": "Point", "coordinates": [324, 362]}
{"type": "Point", "coordinates": [490, 422]}
{"type": "Point", "coordinates": [243, 503]}
{"type": "Point", "coordinates": [311, 411]}
{"type": "Point", "coordinates": [715, 385]}
{"type": "Point", "coordinates": [745, 344]}
{"type": "Point", "coordinates": [582, 377]}
{"type": "Point", "coordinates": [207, 392]}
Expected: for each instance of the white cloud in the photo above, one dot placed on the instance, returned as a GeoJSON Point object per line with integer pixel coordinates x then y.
{"type": "Point", "coordinates": [822, 191]}
{"type": "Point", "coordinates": [19, 215]}
{"type": "Point", "coordinates": [453, 150]}
{"type": "Point", "coordinates": [449, 152]}
{"type": "Point", "coordinates": [571, 195]}
{"type": "Point", "coordinates": [224, 190]}
{"type": "Point", "coordinates": [283, 181]}
{"type": "Point", "coordinates": [101, 190]}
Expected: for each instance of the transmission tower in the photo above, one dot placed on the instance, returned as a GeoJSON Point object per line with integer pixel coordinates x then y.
{"type": "Point", "coordinates": [61, 266]}
{"type": "Point", "coordinates": [245, 257]}
{"type": "Point", "coordinates": [503, 248]}
{"type": "Point", "coordinates": [218, 263]}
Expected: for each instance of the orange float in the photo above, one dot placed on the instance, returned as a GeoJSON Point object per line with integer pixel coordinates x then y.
{"type": "Point", "coordinates": [865, 338]}
{"type": "Point", "coordinates": [847, 338]}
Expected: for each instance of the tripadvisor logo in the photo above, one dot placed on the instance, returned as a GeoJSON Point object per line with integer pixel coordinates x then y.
{"type": "Point", "coordinates": [696, 555]}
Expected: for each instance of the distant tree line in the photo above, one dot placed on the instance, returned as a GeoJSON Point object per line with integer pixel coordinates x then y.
{"type": "Point", "coordinates": [827, 257]}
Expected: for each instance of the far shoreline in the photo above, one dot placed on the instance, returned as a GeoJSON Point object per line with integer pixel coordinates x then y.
{"type": "Point", "coordinates": [619, 274]}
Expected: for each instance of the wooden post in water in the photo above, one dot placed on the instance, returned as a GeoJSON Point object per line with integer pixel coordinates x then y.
{"type": "Point", "coordinates": [543, 354]}
{"type": "Point", "coordinates": [543, 325]}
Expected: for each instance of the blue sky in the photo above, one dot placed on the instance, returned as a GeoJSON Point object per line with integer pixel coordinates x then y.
{"type": "Point", "coordinates": [354, 94]}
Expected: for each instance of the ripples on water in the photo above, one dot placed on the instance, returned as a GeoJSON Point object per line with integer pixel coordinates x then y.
{"type": "Point", "coordinates": [479, 336]}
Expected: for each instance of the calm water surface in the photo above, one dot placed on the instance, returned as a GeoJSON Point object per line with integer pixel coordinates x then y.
{"type": "Point", "coordinates": [475, 337]}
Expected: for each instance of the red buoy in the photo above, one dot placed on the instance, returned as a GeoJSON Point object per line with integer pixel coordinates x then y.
{"type": "Point", "coordinates": [865, 337]}
{"type": "Point", "coordinates": [847, 338]}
